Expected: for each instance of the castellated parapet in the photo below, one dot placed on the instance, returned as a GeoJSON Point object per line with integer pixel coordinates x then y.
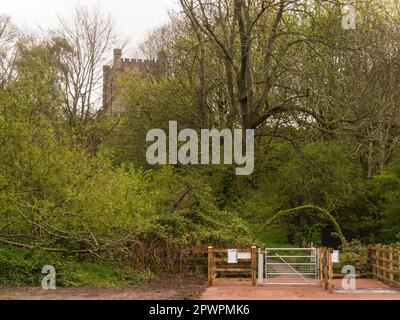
{"type": "Point", "coordinates": [146, 68]}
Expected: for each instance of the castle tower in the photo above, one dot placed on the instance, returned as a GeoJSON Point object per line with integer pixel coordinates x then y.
{"type": "Point", "coordinates": [146, 68]}
{"type": "Point", "coordinates": [117, 58]}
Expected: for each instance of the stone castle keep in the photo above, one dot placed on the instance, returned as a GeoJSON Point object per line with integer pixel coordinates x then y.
{"type": "Point", "coordinates": [146, 68]}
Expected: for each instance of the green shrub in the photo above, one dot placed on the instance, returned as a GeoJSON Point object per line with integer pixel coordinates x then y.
{"type": "Point", "coordinates": [23, 267]}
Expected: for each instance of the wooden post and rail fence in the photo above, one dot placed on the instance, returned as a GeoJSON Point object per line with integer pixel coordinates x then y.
{"type": "Point", "coordinates": [372, 262]}
{"type": "Point", "coordinates": [244, 270]}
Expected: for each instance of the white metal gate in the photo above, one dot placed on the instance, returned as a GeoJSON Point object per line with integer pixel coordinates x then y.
{"type": "Point", "coordinates": [294, 266]}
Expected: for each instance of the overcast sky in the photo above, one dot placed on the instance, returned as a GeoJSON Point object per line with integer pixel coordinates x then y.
{"type": "Point", "coordinates": [134, 17]}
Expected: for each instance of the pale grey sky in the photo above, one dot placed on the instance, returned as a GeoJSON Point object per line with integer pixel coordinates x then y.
{"type": "Point", "coordinates": [134, 17]}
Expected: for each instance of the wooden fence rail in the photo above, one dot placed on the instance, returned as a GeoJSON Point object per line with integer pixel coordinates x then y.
{"type": "Point", "coordinates": [325, 268]}
{"type": "Point", "coordinates": [385, 265]}
{"type": "Point", "coordinates": [376, 262]}
{"type": "Point", "coordinates": [219, 268]}
{"type": "Point", "coordinates": [372, 262]}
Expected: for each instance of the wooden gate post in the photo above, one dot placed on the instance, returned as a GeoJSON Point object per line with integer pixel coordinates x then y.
{"type": "Point", "coordinates": [210, 266]}
{"type": "Point", "coordinates": [374, 263]}
{"type": "Point", "coordinates": [326, 263]}
{"type": "Point", "coordinates": [254, 265]}
{"type": "Point", "coordinates": [370, 261]}
{"type": "Point", "coordinates": [384, 265]}
{"type": "Point", "coordinates": [379, 257]}
{"type": "Point", "coordinates": [321, 267]}
{"type": "Point", "coordinates": [398, 265]}
{"type": "Point", "coordinates": [330, 271]}
{"type": "Point", "coordinates": [391, 275]}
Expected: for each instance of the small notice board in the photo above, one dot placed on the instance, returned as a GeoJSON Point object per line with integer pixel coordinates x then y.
{"type": "Point", "coordinates": [335, 256]}
{"type": "Point", "coordinates": [232, 256]}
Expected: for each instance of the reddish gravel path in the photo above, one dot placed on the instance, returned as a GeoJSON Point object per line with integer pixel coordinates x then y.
{"type": "Point", "coordinates": [193, 288]}
{"type": "Point", "coordinates": [243, 291]}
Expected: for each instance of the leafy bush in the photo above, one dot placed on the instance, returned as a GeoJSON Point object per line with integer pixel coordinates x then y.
{"type": "Point", "coordinates": [24, 267]}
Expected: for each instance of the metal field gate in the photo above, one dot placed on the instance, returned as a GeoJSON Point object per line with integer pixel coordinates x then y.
{"type": "Point", "coordinates": [290, 266]}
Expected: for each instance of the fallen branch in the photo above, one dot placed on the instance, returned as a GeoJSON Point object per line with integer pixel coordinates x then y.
{"type": "Point", "coordinates": [29, 246]}
{"type": "Point", "coordinates": [323, 212]}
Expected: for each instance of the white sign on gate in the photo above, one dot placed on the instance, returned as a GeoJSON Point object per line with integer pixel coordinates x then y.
{"type": "Point", "coordinates": [335, 256]}
{"type": "Point", "coordinates": [244, 255]}
{"type": "Point", "coordinates": [232, 256]}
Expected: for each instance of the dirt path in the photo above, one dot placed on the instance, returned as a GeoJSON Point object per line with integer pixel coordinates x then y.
{"type": "Point", "coordinates": [185, 288]}
{"type": "Point", "coordinates": [189, 288]}
{"type": "Point", "coordinates": [244, 291]}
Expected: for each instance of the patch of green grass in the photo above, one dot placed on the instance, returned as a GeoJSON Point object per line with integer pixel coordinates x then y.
{"type": "Point", "coordinates": [23, 266]}
{"type": "Point", "coordinates": [20, 267]}
{"type": "Point", "coordinates": [100, 275]}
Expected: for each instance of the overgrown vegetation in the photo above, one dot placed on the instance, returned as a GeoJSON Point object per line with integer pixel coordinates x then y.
{"type": "Point", "coordinates": [76, 191]}
{"type": "Point", "coordinates": [24, 267]}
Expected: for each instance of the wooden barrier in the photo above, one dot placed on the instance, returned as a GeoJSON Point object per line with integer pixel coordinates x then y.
{"type": "Point", "coordinates": [376, 262]}
{"type": "Point", "coordinates": [244, 270]}
{"type": "Point", "coordinates": [385, 265]}
{"type": "Point", "coordinates": [330, 270]}
{"type": "Point", "coordinates": [358, 258]}
{"type": "Point", "coordinates": [326, 268]}
{"type": "Point", "coordinates": [210, 266]}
